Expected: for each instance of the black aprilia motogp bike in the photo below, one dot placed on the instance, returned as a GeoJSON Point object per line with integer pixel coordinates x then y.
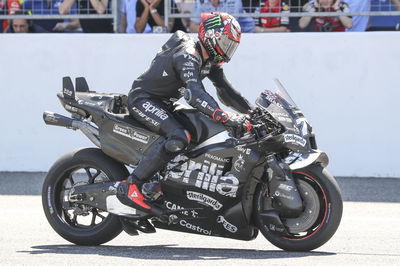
{"type": "Point", "coordinates": [272, 179]}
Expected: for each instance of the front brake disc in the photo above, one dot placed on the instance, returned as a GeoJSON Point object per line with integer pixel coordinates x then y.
{"type": "Point", "coordinates": [311, 211]}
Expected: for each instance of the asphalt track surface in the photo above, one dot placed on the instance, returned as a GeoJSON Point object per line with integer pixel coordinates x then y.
{"type": "Point", "coordinates": [369, 234]}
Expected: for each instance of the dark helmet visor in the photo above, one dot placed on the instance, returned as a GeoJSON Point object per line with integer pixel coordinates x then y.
{"type": "Point", "coordinates": [230, 50]}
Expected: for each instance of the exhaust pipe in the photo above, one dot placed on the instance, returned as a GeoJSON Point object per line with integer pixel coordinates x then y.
{"type": "Point", "coordinates": [55, 119]}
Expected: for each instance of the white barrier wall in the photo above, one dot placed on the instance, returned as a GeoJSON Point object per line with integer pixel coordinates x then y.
{"type": "Point", "coordinates": [346, 84]}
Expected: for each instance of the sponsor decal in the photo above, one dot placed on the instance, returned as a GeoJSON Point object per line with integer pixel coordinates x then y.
{"type": "Point", "coordinates": [188, 74]}
{"type": "Point", "coordinates": [164, 74]}
{"type": "Point", "coordinates": [188, 68]}
{"type": "Point", "coordinates": [191, 58]}
{"type": "Point", "coordinates": [67, 92]}
{"type": "Point", "coordinates": [172, 206]}
{"type": "Point", "coordinates": [204, 104]}
{"type": "Point", "coordinates": [207, 176]}
{"type": "Point", "coordinates": [272, 227]}
{"type": "Point", "coordinates": [188, 64]}
{"type": "Point", "coordinates": [82, 102]}
{"type": "Point", "coordinates": [71, 108]}
{"type": "Point", "coordinates": [204, 199]}
{"type": "Point", "coordinates": [130, 133]}
{"type": "Point", "coordinates": [285, 187]}
{"type": "Point", "coordinates": [239, 163]}
{"type": "Point", "coordinates": [227, 225]}
{"type": "Point", "coordinates": [51, 210]}
{"type": "Point", "coordinates": [292, 138]}
{"type": "Point", "coordinates": [216, 158]}
{"type": "Point", "coordinates": [271, 97]}
{"type": "Point", "coordinates": [243, 149]}
{"type": "Point", "coordinates": [205, 72]}
{"type": "Point", "coordinates": [281, 195]}
{"type": "Point", "coordinates": [145, 117]}
{"type": "Point", "coordinates": [51, 118]}
{"type": "Point", "coordinates": [213, 22]}
{"type": "Point", "coordinates": [195, 228]}
{"type": "Point", "coordinates": [160, 113]}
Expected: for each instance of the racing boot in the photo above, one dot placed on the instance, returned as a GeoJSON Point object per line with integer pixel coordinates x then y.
{"type": "Point", "coordinates": [129, 193]}
{"type": "Point", "coordinates": [152, 190]}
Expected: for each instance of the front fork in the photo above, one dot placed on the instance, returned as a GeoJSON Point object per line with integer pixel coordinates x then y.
{"type": "Point", "coordinates": [286, 199]}
{"type": "Point", "coordinates": [282, 196]}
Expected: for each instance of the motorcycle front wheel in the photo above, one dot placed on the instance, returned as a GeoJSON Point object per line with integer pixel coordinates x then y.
{"type": "Point", "coordinates": [79, 223]}
{"type": "Point", "coordinates": [323, 207]}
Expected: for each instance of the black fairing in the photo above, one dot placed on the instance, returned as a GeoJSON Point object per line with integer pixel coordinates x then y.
{"type": "Point", "coordinates": [125, 139]}
{"type": "Point", "coordinates": [107, 111]}
{"type": "Point", "coordinates": [287, 116]}
{"type": "Point", "coordinates": [219, 184]}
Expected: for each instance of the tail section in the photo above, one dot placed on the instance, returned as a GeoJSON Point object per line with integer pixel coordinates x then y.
{"type": "Point", "coordinates": [81, 84]}
{"type": "Point", "coordinates": [68, 88]}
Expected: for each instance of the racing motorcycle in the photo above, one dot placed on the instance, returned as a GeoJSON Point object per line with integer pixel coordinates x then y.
{"type": "Point", "coordinates": [272, 179]}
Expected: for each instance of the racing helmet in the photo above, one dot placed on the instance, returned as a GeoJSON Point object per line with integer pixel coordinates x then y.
{"type": "Point", "coordinates": [219, 33]}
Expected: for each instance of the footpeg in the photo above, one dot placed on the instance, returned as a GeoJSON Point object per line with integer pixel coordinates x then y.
{"type": "Point", "coordinates": [140, 225]}
{"type": "Point", "coordinates": [128, 228]}
{"type": "Point", "coordinates": [152, 190]}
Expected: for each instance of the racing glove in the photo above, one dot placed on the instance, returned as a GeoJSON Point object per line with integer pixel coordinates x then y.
{"type": "Point", "coordinates": [237, 125]}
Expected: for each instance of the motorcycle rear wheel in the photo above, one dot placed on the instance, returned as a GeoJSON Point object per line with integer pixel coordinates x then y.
{"type": "Point", "coordinates": [320, 219]}
{"type": "Point", "coordinates": [77, 223]}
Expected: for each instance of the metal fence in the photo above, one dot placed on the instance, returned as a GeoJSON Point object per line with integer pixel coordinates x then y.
{"type": "Point", "coordinates": [49, 10]}
{"type": "Point", "coordinates": [186, 9]}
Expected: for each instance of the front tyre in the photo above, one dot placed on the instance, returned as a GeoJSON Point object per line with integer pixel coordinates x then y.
{"type": "Point", "coordinates": [79, 223]}
{"type": "Point", "coordinates": [320, 219]}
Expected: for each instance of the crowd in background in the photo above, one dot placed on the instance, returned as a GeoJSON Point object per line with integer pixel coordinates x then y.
{"type": "Point", "coordinates": [147, 16]}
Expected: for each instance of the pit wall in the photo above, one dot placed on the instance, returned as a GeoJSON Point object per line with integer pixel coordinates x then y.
{"type": "Point", "coordinates": [345, 83]}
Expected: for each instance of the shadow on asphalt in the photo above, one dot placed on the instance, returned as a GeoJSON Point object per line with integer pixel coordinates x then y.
{"type": "Point", "coordinates": [362, 189]}
{"type": "Point", "coordinates": [170, 252]}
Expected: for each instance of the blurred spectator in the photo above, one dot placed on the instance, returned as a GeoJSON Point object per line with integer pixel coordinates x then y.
{"type": "Point", "coordinates": [228, 6]}
{"type": "Point", "coordinates": [152, 12]}
{"type": "Point", "coordinates": [90, 7]}
{"type": "Point", "coordinates": [384, 22]}
{"type": "Point", "coordinates": [274, 24]}
{"type": "Point", "coordinates": [251, 6]}
{"type": "Point", "coordinates": [19, 25]}
{"type": "Point", "coordinates": [49, 7]}
{"type": "Point", "coordinates": [295, 7]}
{"type": "Point", "coordinates": [360, 23]}
{"type": "Point", "coordinates": [8, 7]}
{"type": "Point", "coordinates": [186, 7]}
{"type": "Point", "coordinates": [327, 24]}
{"type": "Point", "coordinates": [128, 17]}
{"type": "Point", "coordinates": [396, 4]}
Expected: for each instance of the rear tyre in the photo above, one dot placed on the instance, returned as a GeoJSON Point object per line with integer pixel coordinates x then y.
{"type": "Point", "coordinates": [79, 223]}
{"type": "Point", "coordinates": [320, 219]}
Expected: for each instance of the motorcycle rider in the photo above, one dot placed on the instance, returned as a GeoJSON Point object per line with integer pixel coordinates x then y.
{"type": "Point", "coordinates": [176, 71]}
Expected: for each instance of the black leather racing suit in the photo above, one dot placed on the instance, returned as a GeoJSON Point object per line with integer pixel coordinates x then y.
{"type": "Point", "coordinates": [176, 71]}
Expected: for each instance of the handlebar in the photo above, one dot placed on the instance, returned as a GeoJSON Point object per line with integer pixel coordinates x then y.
{"type": "Point", "coordinates": [263, 123]}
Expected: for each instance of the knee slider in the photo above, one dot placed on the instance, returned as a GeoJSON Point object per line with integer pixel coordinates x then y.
{"type": "Point", "coordinates": [177, 141]}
